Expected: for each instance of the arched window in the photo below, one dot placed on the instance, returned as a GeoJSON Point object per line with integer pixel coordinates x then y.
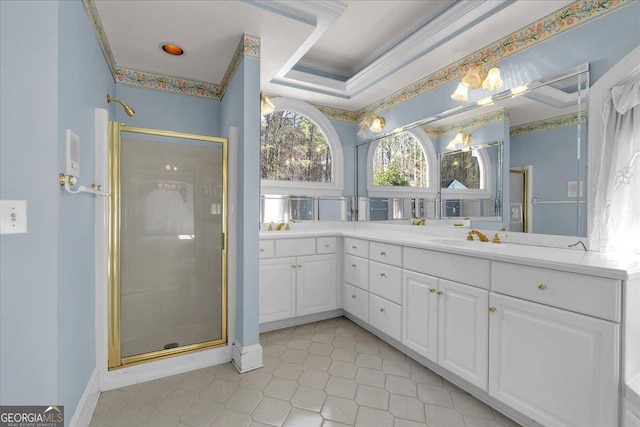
{"type": "Point", "coordinates": [300, 151]}
{"type": "Point", "coordinates": [402, 164]}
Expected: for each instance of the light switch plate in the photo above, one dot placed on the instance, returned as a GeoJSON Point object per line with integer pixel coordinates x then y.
{"type": "Point", "coordinates": [13, 216]}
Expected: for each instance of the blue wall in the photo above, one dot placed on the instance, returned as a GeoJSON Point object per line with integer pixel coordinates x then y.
{"type": "Point", "coordinates": [28, 171]}
{"type": "Point", "coordinates": [84, 80]}
{"type": "Point", "coordinates": [347, 134]}
{"type": "Point", "coordinates": [241, 108]}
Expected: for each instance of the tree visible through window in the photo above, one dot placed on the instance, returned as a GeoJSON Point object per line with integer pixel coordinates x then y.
{"type": "Point", "coordinates": [293, 148]}
{"type": "Point", "coordinates": [399, 160]}
{"type": "Point", "coordinates": [460, 166]}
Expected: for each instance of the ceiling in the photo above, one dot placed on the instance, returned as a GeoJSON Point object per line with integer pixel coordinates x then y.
{"type": "Point", "coordinates": [343, 54]}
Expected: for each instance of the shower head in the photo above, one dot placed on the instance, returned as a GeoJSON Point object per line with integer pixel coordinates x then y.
{"type": "Point", "coordinates": [127, 109]}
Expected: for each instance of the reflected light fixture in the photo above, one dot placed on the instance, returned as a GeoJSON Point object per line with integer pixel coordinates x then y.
{"type": "Point", "coordinates": [365, 124]}
{"type": "Point", "coordinates": [127, 109]}
{"type": "Point", "coordinates": [485, 101]}
{"type": "Point", "coordinates": [377, 125]}
{"type": "Point", "coordinates": [475, 78]}
{"type": "Point", "coordinates": [519, 90]}
{"type": "Point", "coordinates": [266, 106]}
{"type": "Point", "coordinates": [461, 139]}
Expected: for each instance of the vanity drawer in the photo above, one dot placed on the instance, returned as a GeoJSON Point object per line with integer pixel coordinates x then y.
{"type": "Point", "coordinates": [357, 247]}
{"type": "Point", "coordinates": [295, 247]}
{"type": "Point", "coordinates": [385, 281]}
{"type": "Point", "coordinates": [266, 249]}
{"type": "Point", "coordinates": [326, 245]}
{"type": "Point", "coordinates": [458, 268]}
{"type": "Point", "coordinates": [355, 301]}
{"type": "Point", "coordinates": [356, 271]}
{"type": "Point", "coordinates": [385, 316]}
{"type": "Point", "coordinates": [594, 296]}
{"type": "Point", "coordinates": [384, 252]}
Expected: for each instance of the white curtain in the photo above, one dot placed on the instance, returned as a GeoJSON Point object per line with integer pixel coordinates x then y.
{"type": "Point", "coordinates": [616, 220]}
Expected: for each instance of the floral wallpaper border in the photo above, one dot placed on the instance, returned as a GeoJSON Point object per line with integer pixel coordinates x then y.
{"type": "Point", "coordinates": [248, 46]}
{"type": "Point", "coordinates": [570, 119]}
{"type": "Point", "coordinates": [565, 19]}
{"type": "Point", "coordinates": [468, 124]}
{"type": "Point", "coordinates": [338, 114]}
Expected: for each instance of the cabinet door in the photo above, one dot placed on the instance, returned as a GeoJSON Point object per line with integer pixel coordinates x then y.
{"type": "Point", "coordinates": [463, 341]}
{"type": "Point", "coordinates": [316, 284]}
{"type": "Point", "coordinates": [557, 367]}
{"type": "Point", "coordinates": [420, 314]}
{"type": "Point", "coordinates": [277, 289]}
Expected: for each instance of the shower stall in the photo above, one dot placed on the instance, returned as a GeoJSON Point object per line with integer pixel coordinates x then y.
{"type": "Point", "coordinates": [167, 244]}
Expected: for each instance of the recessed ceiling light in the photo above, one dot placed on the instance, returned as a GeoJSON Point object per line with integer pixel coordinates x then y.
{"type": "Point", "coordinates": [172, 49]}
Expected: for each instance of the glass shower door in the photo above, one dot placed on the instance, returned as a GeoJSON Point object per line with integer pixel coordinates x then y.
{"type": "Point", "coordinates": [168, 255]}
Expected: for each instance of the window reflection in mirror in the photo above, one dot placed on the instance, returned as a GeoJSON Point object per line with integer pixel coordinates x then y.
{"type": "Point", "coordinates": [399, 160]}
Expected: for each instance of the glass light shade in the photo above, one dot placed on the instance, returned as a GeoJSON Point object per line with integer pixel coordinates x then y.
{"type": "Point", "coordinates": [472, 79]}
{"type": "Point", "coordinates": [362, 132]}
{"type": "Point", "coordinates": [493, 80]}
{"type": "Point", "coordinates": [485, 101]}
{"type": "Point", "coordinates": [266, 107]}
{"type": "Point", "coordinates": [452, 145]}
{"type": "Point", "coordinates": [461, 93]}
{"type": "Point", "coordinates": [466, 139]}
{"type": "Point", "coordinates": [377, 125]}
{"type": "Point", "coordinates": [519, 90]}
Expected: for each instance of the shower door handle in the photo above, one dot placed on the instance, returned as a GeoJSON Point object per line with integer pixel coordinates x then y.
{"type": "Point", "coordinates": [223, 241]}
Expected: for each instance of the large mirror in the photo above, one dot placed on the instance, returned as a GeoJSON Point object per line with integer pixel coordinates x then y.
{"type": "Point", "coordinates": [541, 162]}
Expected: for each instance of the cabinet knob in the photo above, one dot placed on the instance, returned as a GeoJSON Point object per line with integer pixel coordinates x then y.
{"type": "Point", "coordinates": [353, 295]}
{"type": "Point", "coordinates": [542, 286]}
{"type": "Point", "coordinates": [382, 310]}
{"type": "Point", "coordinates": [492, 309]}
{"type": "Point", "coordinates": [293, 266]}
{"type": "Point", "coordinates": [354, 247]}
{"type": "Point", "coordinates": [326, 245]}
{"type": "Point", "coordinates": [299, 265]}
{"type": "Point", "coordinates": [383, 253]}
{"type": "Point", "coordinates": [261, 249]}
{"type": "Point", "coordinates": [354, 266]}
{"type": "Point", "coordinates": [439, 292]}
{"type": "Point", "coordinates": [432, 290]}
{"type": "Point", "coordinates": [383, 275]}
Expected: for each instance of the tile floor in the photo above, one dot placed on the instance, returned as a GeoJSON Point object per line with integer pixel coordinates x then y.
{"type": "Point", "coordinates": [329, 373]}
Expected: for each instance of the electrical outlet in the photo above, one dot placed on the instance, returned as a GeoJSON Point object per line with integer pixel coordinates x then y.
{"type": "Point", "coordinates": [13, 216]}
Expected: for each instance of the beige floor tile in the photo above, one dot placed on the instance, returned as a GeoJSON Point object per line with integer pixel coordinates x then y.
{"type": "Point", "coordinates": [279, 388]}
{"type": "Point", "coordinates": [270, 363]}
{"type": "Point", "coordinates": [131, 414]}
{"type": "Point", "coordinates": [369, 361]}
{"type": "Point", "coordinates": [452, 387]}
{"type": "Point", "coordinates": [344, 355]}
{"type": "Point", "coordinates": [229, 372]}
{"type": "Point", "coordinates": [369, 417]}
{"type": "Point", "coordinates": [392, 353]}
{"type": "Point", "coordinates": [363, 335]}
{"type": "Point", "coordinates": [480, 422]}
{"type": "Point", "coordinates": [340, 410]}
{"type": "Point", "coordinates": [303, 331]}
{"type": "Point", "coordinates": [299, 343]}
{"type": "Point", "coordinates": [329, 423]}
{"type": "Point", "coordinates": [256, 380]}
{"type": "Point", "coordinates": [399, 422]}
{"type": "Point", "coordinates": [161, 419]}
{"type": "Point", "coordinates": [319, 363]}
{"type": "Point", "coordinates": [273, 350]}
{"type": "Point", "coordinates": [343, 369]}
{"type": "Point", "coordinates": [213, 369]}
{"type": "Point", "coordinates": [288, 371]}
{"type": "Point", "coordinates": [341, 387]}
{"type": "Point", "coordinates": [314, 379]}
{"type": "Point", "coordinates": [437, 416]}
{"type": "Point", "coordinates": [469, 405]}
{"type": "Point", "coordinates": [322, 337]}
{"type": "Point", "coordinates": [179, 377]}
{"type": "Point", "coordinates": [279, 338]}
{"type": "Point", "coordinates": [372, 377]}
{"type": "Point", "coordinates": [196, 381]}
{"type": "Point", "coordinates": [301, 418]}
{"type": "Point", "coordinates": [243, 400]}
{"type": "Point", "coordinates": [504, 420]}
{"type": "Point", "coordinates": [271, 411]}
{"type": "Point", "coordinates": [177, 402]}
{"type": "Point", "coordinates": [401, 385]}
{"type": "Point", "coordinates": [367, 347]}
{"type": "Point", "coordinates": [408, 408]}
{"type": "Point", "coordinates": [219, 390]}
{"type": "Point", "coordinates": [372, 397]}
{"type": "Point", "coordinates": [294, 356]}
{"type": "Point", "coordinates": [320, 349]}
{"type": "Point", "coordinates": [420, 374]}
{"type": "Point", "coordinates": [435, 395]}
{"type": "Point", "coordinates": [97, 421]}
{"type": "Point", "coordinates": [202, 413]}
{"type": "Point", "coordinates": [307, 398]}
{"type": "Point", "coordinates": [396, 367]}
{"type": "Point", "coordinates": [232, 419]}
{"type": "Point", "coordinates": [259, 424]}
{"type": "Point", "coordinates": [344, 342]}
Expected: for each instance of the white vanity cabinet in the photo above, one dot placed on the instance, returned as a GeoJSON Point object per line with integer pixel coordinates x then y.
{"type": "Point", "coordinates": [299, 279]}
{"type": "Point", "coordinates": [447, 323]}
{"type": "Point", "coordinates": [558, 366]}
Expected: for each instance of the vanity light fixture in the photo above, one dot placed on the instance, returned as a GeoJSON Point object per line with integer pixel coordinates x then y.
{"type": "Point", "coordinates": [519, 90]}
{"type": "Point", "coordinates": [266, 106]}
{"type": "Point", "coordinates": [365, 124]}
{"type": "Point", "coordinates": [377, 125]}
{"type": "Point", "coordinates": [475, 78]}
{"type": "Point", "coordinates": [462, 139]}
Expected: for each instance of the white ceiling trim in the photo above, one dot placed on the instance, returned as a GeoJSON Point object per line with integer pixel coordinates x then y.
{"type": "Point", "coordinates": [452, 21]}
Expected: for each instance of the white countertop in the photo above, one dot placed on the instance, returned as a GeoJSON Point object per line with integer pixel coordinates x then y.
{"type": "Point", "coordinates": [611, 265]}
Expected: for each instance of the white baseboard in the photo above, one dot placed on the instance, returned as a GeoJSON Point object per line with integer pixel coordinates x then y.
{"type": "Point", "coordinates": [300, 320]}
{"type": "Point", "coordinates": [246, 358]}
{"type": "Point", "coordinates": [84, 411]}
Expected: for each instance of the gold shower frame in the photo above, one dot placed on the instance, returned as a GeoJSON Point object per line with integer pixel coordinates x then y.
{"type": "Point", "coordinates": [115, 359]}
